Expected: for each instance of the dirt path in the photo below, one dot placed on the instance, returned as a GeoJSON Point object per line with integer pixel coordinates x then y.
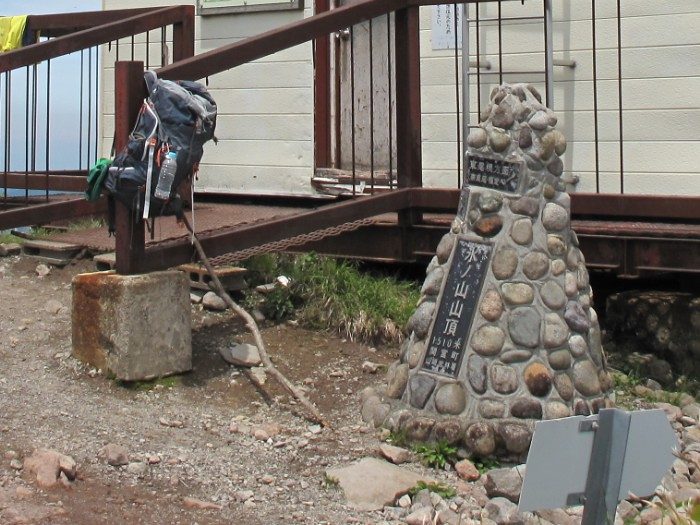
{"type": "Point", "coordinates": [189, 439]}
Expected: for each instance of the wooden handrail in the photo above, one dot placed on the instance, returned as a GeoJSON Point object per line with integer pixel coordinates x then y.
{"type": "Point", "coordinates": [58, 24]}
{"type": "Point", "coordinates": [86, 38]}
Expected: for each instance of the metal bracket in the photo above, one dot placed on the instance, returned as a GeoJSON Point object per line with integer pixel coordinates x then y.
{"type": "Point", "coordinates": [588, 425]}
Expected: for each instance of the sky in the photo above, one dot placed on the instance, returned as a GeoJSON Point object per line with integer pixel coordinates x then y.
{"type": "Point", "coordinates": [64, 98]}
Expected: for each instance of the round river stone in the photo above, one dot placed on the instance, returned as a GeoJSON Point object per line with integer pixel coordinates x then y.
{"type": "Point", "coordinates": [547, 143]}
{"type": "Point", "coordinates": [526, 408]}
{"type": "Point", "coordinates": [554, 217]}
{"type": "Point", "coordinates": [450, 399]}
{"type": "Point", "coordinates": [525, 138]}
{"type": "Point", "coordinates": [576, 317]}
{"type": "Point", "coordinates": [492, 408]}
{"type": "Point", "coordinates": [581, 408]}
{"type": "Point", "coordinates": [490, 202]}
{"type": "Point", "coordinates": [559, 142]}
{"type": "Point", "coordinates": [488, 340]}
{"type": "Point", "coordinates": [558, 267]}
{"type": "Point", "coordinates": [477, 138]}
{"type": "Point", "coordinates": [480, 440]}
{"type": "Point", "coordinates": [421, 386]}
{"type": "Point", "coordinates": [538, 379]}
{"type": "Point", "coordinates": [556, 245]}
{"type": "Point", "coordinates": [418, 429]}
{"type": "Point", "coordinates": [555, 331]}
{"type": "Point", "coordinates": [420, 320]}
{"type": "Point", "coordinates": [432, 283]}
{"type": "Point", "coordinates": [444, 248]}
{"type": "Point", "coordinates": [535, 265]}
{"type": "Point", "coordinates": [560, 359]}
{"type": "Point", "coordinates": [415, 353]}
{"type": "Point", "coordinates": [539, 121]}
{"type": "Point", "coordinates": [564, 386]}
{"type": "Point", "coordinates": [499, 140]}
{"type": "Point", "coordinates": [552, 295]}
{"type": "Point", "coordinates": [504, 379]}
{"type": "Point", "coordinates": [397, 377]}
{"type": "Point", "coordinates": [491, 306]}
{"type": "Point", "coordinates": [586, 378]}
{"type": "Point", "coordinates": [556, 167]}
{"type": "Point", "coordinates": [488, 226]}
{"type": "Point", "coordinates": [570, 284]}
{"type": "Point", "coordinates": [524, 326]}
{"type": "Point", "coordinates": [476, 373]}
{"type": "Point", "coordinates": [556, 410]}
{"type": "Point", "coordinates": [521, 231]}
{"type": "Point", "coordinates": [577, 345]}
{"type": "Point", "coordinates": [525, 206]}
{"type": "Point", "coordinates": [448, 430]}
{"type": "Point", "coordinates": [504, 263]}
{"type": "Point", "coordinates": [518, 293]}
{"type": "Point", "coordinates": [515, 437]}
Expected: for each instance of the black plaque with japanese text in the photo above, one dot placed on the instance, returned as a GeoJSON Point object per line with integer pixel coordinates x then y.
{"type": "Point", "coordinates": [456, 306]}
{"type": "Point", "coordinates": [495, 174]}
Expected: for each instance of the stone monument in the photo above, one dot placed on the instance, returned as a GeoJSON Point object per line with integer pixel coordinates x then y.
{"type": "Point", "coordinates": [504, 334]}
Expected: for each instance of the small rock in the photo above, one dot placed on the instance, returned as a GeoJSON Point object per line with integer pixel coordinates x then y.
{"type": "Point", "coordinates": [154, 460]}
{"type": "Point", "coordinates": [47, 465]}
{"type": "Point", "coordinates": [422, 516]}
{"type": "Point", "coordinates": [53, 307]}
{"type": "Point", "coordinates": [116, 455]}
{"type": "Point", "coordinates": [260, 434]}
{"type": "Point", "coordinates": [243, 495]}
{"type": "Point", "coordinates": [211, 301]}
{"type": "Point", "coordinates": [192, 503]}
{"type": "Point", "coordinates": [258, 374]}
{"type": "Point", "coordinates": [42, 270]}
{"type": "Point", "coordinates": [396, 455]}
{"type": "Point", "coordinates": [466, 470]}
{"type": "Point", "coordinates": [368, 367]}
{"type": "Point", "coordinates": [241, 354]}
{"type": "Point", "coordinates": [195, 298]}
{"type": "Point", "coordinates": [16, 464]}
{"type": "Point", "coordinates": [504, 482]}
{"type": "Point", "coordinates": [502, 511]}
{"type": "Point", "coordinates": [137, 468]}
{"type": "Point", "coordinates": [404, 501]}
{"type": "Point", "coordinates": [268, 479]}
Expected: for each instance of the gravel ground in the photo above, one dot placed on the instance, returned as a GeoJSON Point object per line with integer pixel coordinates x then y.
{"type": "Point", "coordinates": [209, 447]}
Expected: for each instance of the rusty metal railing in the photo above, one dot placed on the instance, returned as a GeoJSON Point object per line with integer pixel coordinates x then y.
{"type": "Point", "coordinates": [29, 118]}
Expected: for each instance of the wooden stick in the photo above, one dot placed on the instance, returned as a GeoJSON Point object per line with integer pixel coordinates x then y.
{"type": "Point", "coordinates": [316, 416]}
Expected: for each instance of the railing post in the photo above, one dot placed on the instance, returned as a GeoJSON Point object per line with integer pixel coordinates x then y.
{"type": "Point", "coordinates": [129, 91]}
{"type": "Point", "coordinates": [322, 94]}
{"type": "Point", "coordinates": [183, 35]}
{"type": "Point", "coordinates": [408, 116]}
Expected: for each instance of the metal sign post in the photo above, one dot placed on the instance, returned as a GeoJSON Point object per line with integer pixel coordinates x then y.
{"type": "Point", "coordinates": [597, 461]}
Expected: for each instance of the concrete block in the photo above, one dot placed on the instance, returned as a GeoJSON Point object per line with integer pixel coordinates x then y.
{"type": "Point", "coordinates": [51, 252]}
{"type": "Point", "coordinates": [134, 327]}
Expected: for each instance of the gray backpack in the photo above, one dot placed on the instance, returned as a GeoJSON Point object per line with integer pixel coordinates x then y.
{"type": "Point", "coordinates": [176, 117]}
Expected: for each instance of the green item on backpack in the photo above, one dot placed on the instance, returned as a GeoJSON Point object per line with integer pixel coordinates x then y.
{"type": "Point", "coordinates": [96, 179]}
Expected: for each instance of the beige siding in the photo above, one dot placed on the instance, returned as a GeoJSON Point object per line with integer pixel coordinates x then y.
{"type": "Point", "coordinates": [266, 107]}
{"type": "Point", "coordinates": [661, 71]}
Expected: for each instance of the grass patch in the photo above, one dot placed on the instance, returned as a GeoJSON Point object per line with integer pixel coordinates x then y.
{"type": "Point", "coordinates": [398, 438]}
{"type": "Point", "coordinates": [145, 386]}
{"type": "Point", "coordinates": [483, 465]}
{"type": "Point", "coordinates": [8, 238]}
{"type": "Point", "coordinates": [436, 455]}
{"type": "Point", "coordinates": [442, 490]}
{"type": "Point", "coordinates": [330, 294]}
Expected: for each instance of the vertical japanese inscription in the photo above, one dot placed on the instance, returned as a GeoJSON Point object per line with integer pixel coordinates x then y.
{"type": "Point", "coordinates": [457, 303]}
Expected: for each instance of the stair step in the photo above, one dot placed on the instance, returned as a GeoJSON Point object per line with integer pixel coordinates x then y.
{"type": "Point", "coordinates": [232, 278]}
{"type": "Point", "coordinates": [51, 252]}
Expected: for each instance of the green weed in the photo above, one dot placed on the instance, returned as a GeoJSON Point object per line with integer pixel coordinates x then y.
{"type": "Point", "coordinates": [8, 238]}
{"type": "Point", "coordinates": [329, 294]}
{"type": "Point", "coordinates": [145, 386]}
{"type": "Point", "coordinates": [398, 438]}
{"type": "Point", "coordinates": [442, 490]}
{"type": "Point", "coordinates": [436, 455]}
{"type": "Point", "coordinates": [483, 465]}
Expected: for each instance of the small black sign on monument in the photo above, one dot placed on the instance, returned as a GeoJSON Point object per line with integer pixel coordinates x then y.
{"type": "Point", "coordinates": [456, 306]}
{"type": "Point", "coordinates": [495, 174]}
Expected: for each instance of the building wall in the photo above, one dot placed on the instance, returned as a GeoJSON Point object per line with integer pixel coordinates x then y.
{"type": "Point", "coordinates": [266, 107]}
{"type": "Point", "coordinates": [265, 123]}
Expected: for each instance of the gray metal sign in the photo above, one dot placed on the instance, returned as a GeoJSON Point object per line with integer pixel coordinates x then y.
{"type": "Point", "coordinates": [597, 461]}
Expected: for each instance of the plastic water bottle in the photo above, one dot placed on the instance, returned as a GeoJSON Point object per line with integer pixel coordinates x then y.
{"type": "Point", "coordinates": [166, 176]}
